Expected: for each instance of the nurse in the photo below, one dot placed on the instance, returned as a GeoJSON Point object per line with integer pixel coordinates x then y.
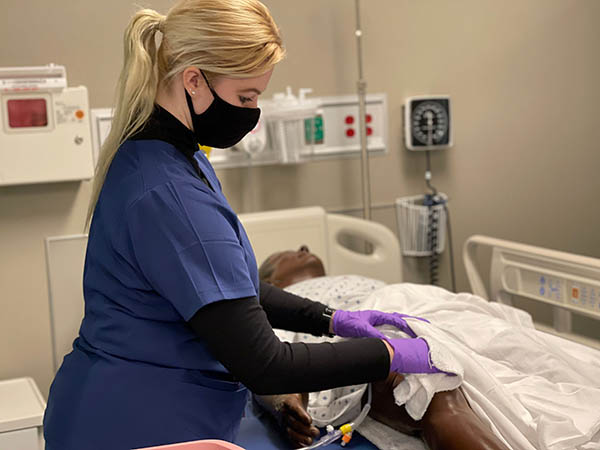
{"type": "Point", "coordinates": [177, 326]}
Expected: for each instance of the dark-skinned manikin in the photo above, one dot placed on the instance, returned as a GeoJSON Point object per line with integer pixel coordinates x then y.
{"type": "Point", "coordinates": [448, 424]}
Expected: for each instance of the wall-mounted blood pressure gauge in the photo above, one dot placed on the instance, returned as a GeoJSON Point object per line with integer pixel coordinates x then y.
{"type": "Point", "coordinates": [427, 123]}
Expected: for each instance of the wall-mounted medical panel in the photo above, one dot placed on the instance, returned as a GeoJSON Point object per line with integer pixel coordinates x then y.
{"type": "Point", "coordinates": [341, 125]}
{"type": "Point", "coordinates": [333, 132]}
{"type": "Point", "coordinates": [44, 131]}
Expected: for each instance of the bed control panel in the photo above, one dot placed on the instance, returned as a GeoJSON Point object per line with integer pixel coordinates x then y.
{"type": "Point", "coordinates": [554, 288]}
{"type": "Point", "coordinates": [544, 286]}
{"type": "Point", "coordinates": [584, 296]}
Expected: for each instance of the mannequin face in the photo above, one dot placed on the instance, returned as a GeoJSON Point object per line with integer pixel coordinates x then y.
{"type": "Point", "coordinates": [294, 266]}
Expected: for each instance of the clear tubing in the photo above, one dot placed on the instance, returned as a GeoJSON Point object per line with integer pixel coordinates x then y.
{"type": "Point", "coordinates": [327, 439]}
{"type": "Point", "coordinates": [364, 411]}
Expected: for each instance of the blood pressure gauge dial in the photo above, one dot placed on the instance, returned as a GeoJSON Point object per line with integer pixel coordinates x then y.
{"type": "Point", "coordinates": [427, 123]}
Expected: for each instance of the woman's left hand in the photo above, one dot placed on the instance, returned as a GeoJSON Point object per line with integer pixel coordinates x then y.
{"type": "Point", "coordinates": [358, 324]}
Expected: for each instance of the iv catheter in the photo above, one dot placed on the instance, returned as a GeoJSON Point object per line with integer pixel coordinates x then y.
{"type": "Point", "coordinates": [346, 429]}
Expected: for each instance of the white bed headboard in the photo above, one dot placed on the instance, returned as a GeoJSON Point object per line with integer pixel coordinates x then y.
{"type": "Point", "coordinates": [269, 232]}
{"type": "Point", "coordinates": [568, 282]}
{"type": "Point", "coordinates": [288, 229]}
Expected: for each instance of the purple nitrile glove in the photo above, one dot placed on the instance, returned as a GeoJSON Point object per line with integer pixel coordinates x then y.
{"type": "Point", "coordinates": [362, 323]}
{"type": "Point", "coordinates": [411, 356]}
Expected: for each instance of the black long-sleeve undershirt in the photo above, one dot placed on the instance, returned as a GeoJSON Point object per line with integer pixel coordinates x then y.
{"type": "Point", "coordinates": [287, 311]}
{"type": "Point", "coordinates": [239, 334]}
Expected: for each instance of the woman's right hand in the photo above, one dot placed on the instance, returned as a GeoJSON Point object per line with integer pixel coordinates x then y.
{"type": "Point", "coordinates": [411, 356]}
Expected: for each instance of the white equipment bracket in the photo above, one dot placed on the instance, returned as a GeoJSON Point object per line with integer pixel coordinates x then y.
{"type": "Point", "coordinates": [18, 79]}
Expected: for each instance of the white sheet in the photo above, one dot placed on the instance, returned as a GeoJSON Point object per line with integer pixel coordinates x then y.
{"type": "Point", "coordinates": [536, 391]}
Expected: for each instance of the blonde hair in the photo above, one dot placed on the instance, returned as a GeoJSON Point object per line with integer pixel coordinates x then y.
{"type": "Point", "coordinates": [236, 38]}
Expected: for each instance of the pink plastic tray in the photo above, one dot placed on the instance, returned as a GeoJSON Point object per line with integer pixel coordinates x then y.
{"type": "Point", "coordinates": [209, 444]}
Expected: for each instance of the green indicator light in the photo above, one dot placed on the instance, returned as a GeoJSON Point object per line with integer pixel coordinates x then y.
{"type": "Point", "coordinates": [313, 128]}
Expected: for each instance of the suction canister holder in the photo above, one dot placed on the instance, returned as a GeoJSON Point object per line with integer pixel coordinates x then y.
{"type": "Point", "coordinates": [288, 118]}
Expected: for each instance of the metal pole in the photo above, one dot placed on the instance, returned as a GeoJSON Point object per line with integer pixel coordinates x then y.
{"type": "Point", "coordinates": [362, 90]}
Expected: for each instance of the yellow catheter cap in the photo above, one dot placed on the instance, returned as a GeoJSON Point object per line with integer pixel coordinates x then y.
{"type": "Point", "coordinates": [347, 428]}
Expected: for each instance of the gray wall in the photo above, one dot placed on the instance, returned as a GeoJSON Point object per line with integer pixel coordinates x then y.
{"type": "Point", "coordinates": [523, 76]}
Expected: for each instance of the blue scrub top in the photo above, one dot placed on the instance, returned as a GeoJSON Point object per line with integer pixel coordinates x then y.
{"type": "Point", "coordinates": [162, 245]}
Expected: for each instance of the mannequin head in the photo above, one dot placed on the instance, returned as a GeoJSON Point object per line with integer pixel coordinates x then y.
{"type": "Point", "coordinates": [288, 267]}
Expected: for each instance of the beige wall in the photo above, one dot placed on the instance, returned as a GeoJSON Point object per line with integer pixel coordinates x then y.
{"type": "Point", "coordinates": [523, 76]}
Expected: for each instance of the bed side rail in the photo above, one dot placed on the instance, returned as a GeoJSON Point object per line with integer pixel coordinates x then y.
{"type": "Point", "coordinates": [567, 282]}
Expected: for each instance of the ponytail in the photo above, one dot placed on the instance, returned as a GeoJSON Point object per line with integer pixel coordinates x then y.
{"type": "Point", "coordinates": [136, 91]}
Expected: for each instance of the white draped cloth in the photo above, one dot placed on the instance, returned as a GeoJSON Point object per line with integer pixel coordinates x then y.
{"type": "Point", "coordinates": [535, 390]}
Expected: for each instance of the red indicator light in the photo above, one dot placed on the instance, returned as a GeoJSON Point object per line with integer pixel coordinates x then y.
{"type": "Point", "coordinates": [349, 120]}
{"type": "Point", "coordinates": [369, 118]}
{"type": "Point", "coordinates": [350, 132]}
{"type": "Point", "coordinates": [369, 131]}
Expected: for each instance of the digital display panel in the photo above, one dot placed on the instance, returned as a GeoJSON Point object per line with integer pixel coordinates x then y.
{"type": "Point", "coordinates": [27, 113]}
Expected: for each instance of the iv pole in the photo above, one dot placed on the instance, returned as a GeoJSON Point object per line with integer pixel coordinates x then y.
{"type": "Point", "coordinates": [362, 89]}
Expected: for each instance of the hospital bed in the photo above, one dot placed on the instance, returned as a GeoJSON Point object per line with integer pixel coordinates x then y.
{"type": "Point", "coordinates": [558, 279]}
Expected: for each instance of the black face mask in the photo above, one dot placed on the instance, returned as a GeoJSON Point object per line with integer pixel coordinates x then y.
{"type": "Point", "coordinates": [222, 125]}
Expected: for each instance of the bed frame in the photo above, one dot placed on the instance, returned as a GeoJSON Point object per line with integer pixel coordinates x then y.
{"type": "Point", "coordinates": [515, 269]}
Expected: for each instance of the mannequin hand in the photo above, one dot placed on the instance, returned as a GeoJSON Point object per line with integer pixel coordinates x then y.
{"type": "Point", "coordinates": [297, 421]}
{"type": "Point", "coordinates": [363, 323]}
{"type": "Point", "coordinates": [290, 412]}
